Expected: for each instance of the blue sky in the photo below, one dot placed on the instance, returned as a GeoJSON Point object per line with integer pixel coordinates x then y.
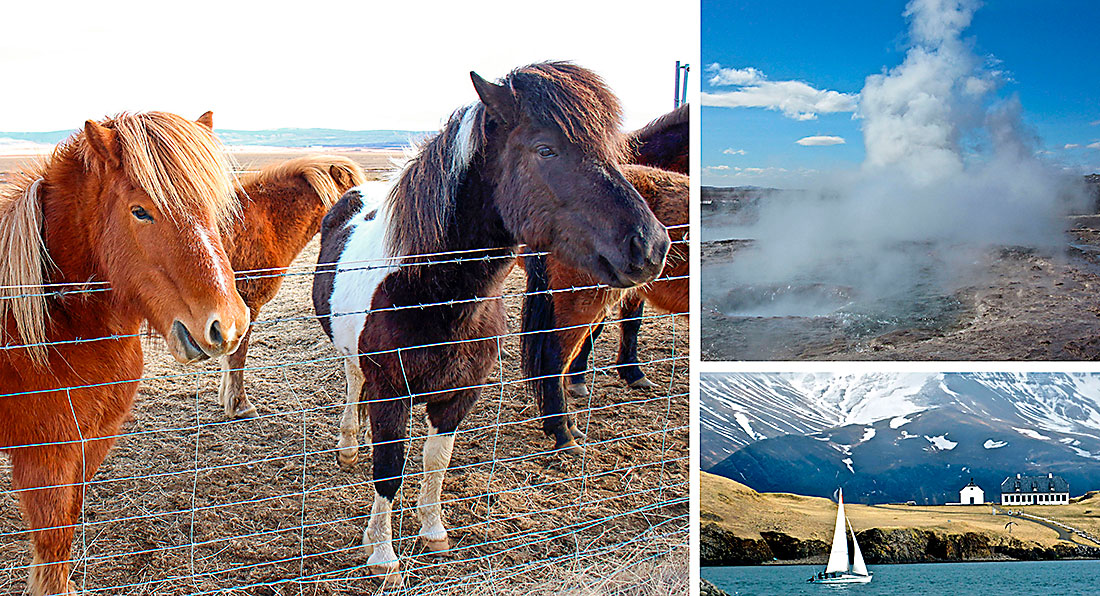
{"type": "Point", "coordinates": [1048, 52]}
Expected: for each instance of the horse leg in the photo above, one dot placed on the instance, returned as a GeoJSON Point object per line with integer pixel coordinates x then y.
{"type": "Point", "coordinates": [231, 391]}
{"type": "Point", "coordinates": [631, 312]}
{"type": "Point", "coordinates": [443, 420]}
{"type": "Point", "coordinates": [389, 418]}
{"type": "Point", "coordinates": [50, 512]}
{"type": "Point", "coordinates": [579, 367]}
{"type": "Point", "coordinates": [348, 443]}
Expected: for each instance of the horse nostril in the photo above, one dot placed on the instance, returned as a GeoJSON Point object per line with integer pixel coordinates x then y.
{"type": "Point", "coordinates": [215, 334]}
{"type": "Point", "coordinates": [639, 252]}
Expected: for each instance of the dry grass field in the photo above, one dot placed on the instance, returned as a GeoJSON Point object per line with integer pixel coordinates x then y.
{"type": "Point", "coordinates": [190, 503]}
{"type": "Point", "coordinates": [746, 513]}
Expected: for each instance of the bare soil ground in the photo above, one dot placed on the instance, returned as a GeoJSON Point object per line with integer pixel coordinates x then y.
{"type": "Point", "coordinates": [189, 503]}
{"type": "Point", "coordinates": [746, 513]}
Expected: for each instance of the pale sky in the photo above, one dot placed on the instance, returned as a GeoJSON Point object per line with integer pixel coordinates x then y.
{"type": "Point", "coordinates": [321, 63]}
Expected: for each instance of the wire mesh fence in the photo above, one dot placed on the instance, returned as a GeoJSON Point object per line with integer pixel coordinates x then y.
{"type": "Point", "coordinates": [189, 502]}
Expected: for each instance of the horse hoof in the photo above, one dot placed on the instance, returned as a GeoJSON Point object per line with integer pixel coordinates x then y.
{"type": "Point", "coordinates": [643, 383]}
{"type": "Point", "coordinates": [578, 390]}
{"type": "Point", "coordinates": [577, 434]}
{"type": "Point", "coordinates": [347, 462]}
{"type": "Point", "coordinates": [390, 576]}
{"type": "Point", "coordinates": [436, 546]}
{"type": "Point", "coordinates": [246, 413]}
{"type": "Point", "coordinates": [569, 448]}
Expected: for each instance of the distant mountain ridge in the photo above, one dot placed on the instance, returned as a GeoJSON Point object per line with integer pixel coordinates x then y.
{"type": "Point", "coordinates": [278, 137]}
{"type": "Point", "coordinates": [891, 437]}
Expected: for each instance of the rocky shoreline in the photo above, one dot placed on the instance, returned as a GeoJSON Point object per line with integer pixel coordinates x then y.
{"type": "Point", "coordinates": [720, 547]}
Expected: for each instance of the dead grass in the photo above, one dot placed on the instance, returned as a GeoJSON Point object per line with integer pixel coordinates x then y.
{"type": "Point", "coordinates": [188, 503]}
{"type": "Point", "coordinates": [746, 513]}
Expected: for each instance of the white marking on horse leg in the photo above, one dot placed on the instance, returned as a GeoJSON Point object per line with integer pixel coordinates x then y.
{"type": "Point", "coordinates": [348, 443]}
{"type": "Point", "coordinates": [378, 537]}
{"type": "Point", "coordinates": [223, 388]}
{"type": "Point", "coordinates": [437, 456]}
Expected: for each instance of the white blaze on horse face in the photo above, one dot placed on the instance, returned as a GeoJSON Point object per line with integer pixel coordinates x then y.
{"type": "Point", "coordinates": [437, 456]}
{"type": "Point", "coordinates": [362, 267]}
{"type": "Point", "coordinates": [378, 535]}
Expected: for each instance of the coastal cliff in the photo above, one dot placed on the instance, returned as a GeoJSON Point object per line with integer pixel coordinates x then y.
{"type": "Point", "coordinates": [742, 527]}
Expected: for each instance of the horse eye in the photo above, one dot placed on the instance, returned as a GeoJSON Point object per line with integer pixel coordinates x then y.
{"type": "Point", "coordinates": [545, 151]}
{"type": "Point", "coordinates": [141, 214]}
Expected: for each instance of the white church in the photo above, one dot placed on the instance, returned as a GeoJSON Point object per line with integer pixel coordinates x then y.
{"type": "Point", "coordinates": [971, 494]}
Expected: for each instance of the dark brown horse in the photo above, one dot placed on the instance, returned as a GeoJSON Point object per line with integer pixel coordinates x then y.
{"type": "Point", "coordinates": [281, 210]}
{"type": "Point", "coordinates": [535, 162]}
{"type": "Point", "coordinates": [119, 226]}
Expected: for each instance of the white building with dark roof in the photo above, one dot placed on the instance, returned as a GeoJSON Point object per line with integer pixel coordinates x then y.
{"type": "Point", "coordinates": [971, 494]}
{"type": "Point", "coordinates": [1035, 490]}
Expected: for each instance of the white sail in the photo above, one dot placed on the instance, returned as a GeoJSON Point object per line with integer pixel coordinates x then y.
{"type": "Point", "coordinates": [838, 556]}
{"type": "Point", "coordinates": [858, 566]}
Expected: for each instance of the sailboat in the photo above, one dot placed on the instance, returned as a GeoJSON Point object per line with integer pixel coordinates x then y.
{"type": "Point", "coordinates": [837, 570]}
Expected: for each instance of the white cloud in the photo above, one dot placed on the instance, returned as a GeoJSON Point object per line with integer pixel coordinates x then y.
{"type": "Point", "coordinates": [732, 151]}
{"type": "Point", "coordinates": [820, 141]}
{"type": "Point", "coordinates": [794, 99]}
{"type": "Point", "coordinates": [1095, 145]}
{"type": "Point", "coordinates": [716, 168]}
{"type": "Point", "coordinates": [1071, 146]}
{"type": "Point", "coordinates": [1094, 123]}
{"type": "Point", "coordinates": [733, 76]}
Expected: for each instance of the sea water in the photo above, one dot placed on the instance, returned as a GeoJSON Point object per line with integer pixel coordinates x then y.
{"type": "Point", "coordinates": [1066, 578]}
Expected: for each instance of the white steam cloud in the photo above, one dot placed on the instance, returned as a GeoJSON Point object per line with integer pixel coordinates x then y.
{"type": "Point", "coordinates": [950, 171]}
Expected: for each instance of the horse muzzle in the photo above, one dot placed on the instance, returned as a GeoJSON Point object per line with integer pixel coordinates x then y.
{"type": "Point", "coordinates": [186, 350]}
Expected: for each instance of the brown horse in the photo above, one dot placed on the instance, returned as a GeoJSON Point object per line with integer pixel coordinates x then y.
{"type": "Point", "coordinates": [535, 162]}
{"type": "Point", "coordinates": [120, 225]}
{"type": "Point", "coordinates": [552, 303]}
{"type": "Point", "coordinates": [281, 210]}
{"type": "Point", "coordinates": [665, 144]}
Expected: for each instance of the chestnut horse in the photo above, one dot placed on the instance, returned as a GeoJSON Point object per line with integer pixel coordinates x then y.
{"type": "Point", "coordinates": [567, 317]}
{"type": "Point", "coordinates": [281, 210]}
{"type": "Point", "coordinates": [136, 203]}
{"type": "Point", "coordinates": [535, 162]}
{"type": "Point", "coordinates": [665, 144]}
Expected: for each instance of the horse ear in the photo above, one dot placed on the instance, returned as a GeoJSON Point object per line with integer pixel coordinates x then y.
{"type": "Point", "coordinates": [497, 99]}
{"type": "Point", "coordinates": [207, 119]}
{"type": "Point", "coordinates": [103, 142]}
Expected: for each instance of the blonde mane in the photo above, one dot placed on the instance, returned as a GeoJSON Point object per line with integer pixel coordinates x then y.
{"type": "Point", "coordinates": [322, 172]}
{"type": "Point", "coordinates": [25, 259]}
{"type": "Point", "coordinates": [180, 164]}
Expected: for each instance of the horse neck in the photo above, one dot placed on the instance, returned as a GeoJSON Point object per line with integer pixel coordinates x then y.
{"type": "Point", "coordinates": [71, 199]}
{"type": "Point", "coordinates": [277, 219]}
{"type": "Point", "coordinates": [476, 230]}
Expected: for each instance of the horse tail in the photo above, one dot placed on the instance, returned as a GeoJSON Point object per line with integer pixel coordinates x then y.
{"type": "Point", "coordinates": [540, 347]}
{"type": "Point", "coordinates": [22, 271]}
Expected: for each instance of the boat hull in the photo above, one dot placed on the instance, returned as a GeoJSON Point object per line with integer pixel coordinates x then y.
{"type": "Point", "coordinates": [842, 579]}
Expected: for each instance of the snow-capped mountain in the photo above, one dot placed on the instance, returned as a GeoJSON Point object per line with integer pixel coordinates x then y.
{"type": "Point", "coordinates": [897, 437]}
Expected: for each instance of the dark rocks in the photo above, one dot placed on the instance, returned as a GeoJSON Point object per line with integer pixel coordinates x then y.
{"type": "Point", "coordinates": [707, 589]}
{"type": "Point", "coordinates": [786, 547]}
{"type": "Point", "coordinates": [720, 547]}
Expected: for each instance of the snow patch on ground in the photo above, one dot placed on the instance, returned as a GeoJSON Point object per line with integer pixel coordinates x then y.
{"type": "Point", "coordinates": [868, 434]}
{"type": "Point", "coordinates": [1027, 432]}
{"type": "Point", "coordinates": [848, 462]}
{"type": "Point", "coordinates": [899, 421]}
{"type": "Point", "coordinates": [942, 443]}
{"type": "Point", "coordinates": [991, 444]}
{"type": "Point", "coordinates": [743, 422]}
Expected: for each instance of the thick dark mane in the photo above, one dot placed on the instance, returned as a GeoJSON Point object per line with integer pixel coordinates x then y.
{"type": "Point", "coordinates": [559, 95]}
{"type": "Point", "coordinates": [665, 142]}
{"type": "Point", "coordinates": [422, 201]}
{"type": "Point", "coordinates": [576, 101]}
